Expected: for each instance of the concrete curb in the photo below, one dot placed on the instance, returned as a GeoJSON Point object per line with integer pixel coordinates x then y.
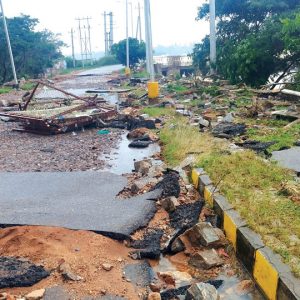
{"type": "Point", "coordinates": [272, 276]}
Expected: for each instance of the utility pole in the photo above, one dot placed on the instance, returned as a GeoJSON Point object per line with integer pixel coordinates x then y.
{"type": "Point", "coordinates": [127, 70]}
{"type": "Point", "coordinates": [105, 34]}
{"type": "Point", "coordinates": [131, 14]}
{"type": "Point", "coordinates": [9, 47]}
{"type": "Point", "coordinates": [73, 50]}
{"type": "Point", "coordinates": [153, 87]}
{"type": "Point", "coordinates": [147, 37]}
{"type": "Point", "coordinates": [139, 24]}
{"type": "Point", "coordinates": [111, 30]}
{"type": "Point", "coordinates": [80, 41]}
{"type": "Point", "coordinates": [85, 40]}
{"type": "Point", "coordinates": [213, 43]}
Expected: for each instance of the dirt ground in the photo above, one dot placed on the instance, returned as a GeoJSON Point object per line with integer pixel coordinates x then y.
{"type": "Point", "coordinates": [80, 151]}
{"type": "Point", "coordinates": [84, 251]}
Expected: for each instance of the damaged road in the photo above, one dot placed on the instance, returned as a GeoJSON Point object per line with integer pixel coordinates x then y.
{"type": "Point", "coordinates": [77, 200]}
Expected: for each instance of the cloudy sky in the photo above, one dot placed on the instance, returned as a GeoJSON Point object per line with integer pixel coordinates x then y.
{"type": "Point", "coordinates": [173, 21]}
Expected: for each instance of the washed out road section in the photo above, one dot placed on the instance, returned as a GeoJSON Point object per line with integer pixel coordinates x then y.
{"type": "Point", "coordinates": [75, 200]}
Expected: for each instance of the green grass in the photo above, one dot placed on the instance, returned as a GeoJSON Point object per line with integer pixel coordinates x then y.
{"type": "Point", "coordinates": [283, 138]}
{"type": "Point", "coordinates": [141, 74]}
{"type": "Point", "coordinates": [28, 86]}
{"type": "Point", "coordinates": [176, 88]}
{"type": "Point", "coordinates": [5, 90]}
{"type": "Point", "coordinates": [255, 187]}
{"type": "Point", "coordinates": [156, 112]}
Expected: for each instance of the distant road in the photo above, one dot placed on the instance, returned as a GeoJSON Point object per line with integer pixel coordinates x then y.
{"type": "Point", "coordinates": [101, 70]}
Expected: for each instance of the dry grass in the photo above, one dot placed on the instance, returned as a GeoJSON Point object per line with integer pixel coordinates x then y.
{"type": "Point", "coordinates": [261, 191]}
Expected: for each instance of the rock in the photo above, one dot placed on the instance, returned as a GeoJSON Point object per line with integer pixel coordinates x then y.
{"type": "Point", "coordinates": [3, 296]}
{"type": "Point", "coordinates": [202, 291]}
{"type": "Point", "coordinates": [139, 144]}
{"type": "Point", "coordinates": [167, 277]}
{"type": "Point", "coordinates": [203, 122]}
{"type": "Point", "coordinates": [244, 287]}
{"type": "Point", "coordinates": [228, 118]}
{"type": "Point", "coordinates": [154, 296]}
{"type": "Point", "coordinates": [67, 273]}
{"type": "Point", "coordinates": [228, 130]}
{"type": "Point", "coordinates": [177, 246]}
{"type": "Point", "coordinates": [142, 166]}
{"type": "Point", "coordinates": [156, 287]}
{"type": "Point", "coordinates": [141, 132]}
{"type": "Point", "coordinates": [169, 203]}
{"type": "Point", "coordinates": [35, 295]}
{"type": "Point", "coordinates": [203, 234]}
{"type": "Point", "coordinates": [140, 184]}
{"type": "Point", "coordinates": [206, 259]}
{"type": "Point", "coordinates": [156, 171]}
{"type": "Point", "coordinates": [57, 292]}
{"type": "Point", "coordinates": [107, 267]}
{"type": "Point", "coordinates": [207, 105]}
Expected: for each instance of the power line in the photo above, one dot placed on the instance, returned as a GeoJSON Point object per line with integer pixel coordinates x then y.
{"type": "Point", "coordinates": [85, 40]}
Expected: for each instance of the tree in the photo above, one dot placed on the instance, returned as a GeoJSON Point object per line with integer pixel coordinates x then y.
{"type": "Point", "coordinates": [250, 38]}
{"type": "Point", "coordinates": [137, 51]}
{"type": "Point", "coordinates": [34, 51]}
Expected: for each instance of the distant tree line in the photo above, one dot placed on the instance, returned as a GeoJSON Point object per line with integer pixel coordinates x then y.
{"type": "Point", "coordinates": [255, 39]}
{"type": "Point", "coordinates": [34, 51]}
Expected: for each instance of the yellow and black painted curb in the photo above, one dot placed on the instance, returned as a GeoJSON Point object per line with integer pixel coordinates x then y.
{"type": "Point", "coordinates": [272, 276]}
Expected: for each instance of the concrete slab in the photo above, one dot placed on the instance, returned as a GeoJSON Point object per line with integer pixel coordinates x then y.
{"type": "Point", "coordinates": [75, 200]}
{"type": "Point", "coordinates": [289, 158]}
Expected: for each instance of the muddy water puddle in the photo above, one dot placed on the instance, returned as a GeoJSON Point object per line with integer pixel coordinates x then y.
{"type": "Point", "coordinates": [121, 161]}
{"type": "Point", "coordinates": [227, 290]}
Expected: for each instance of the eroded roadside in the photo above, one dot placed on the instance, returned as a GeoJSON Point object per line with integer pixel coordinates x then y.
{"type": "Point", "coordinates": [180, 246]}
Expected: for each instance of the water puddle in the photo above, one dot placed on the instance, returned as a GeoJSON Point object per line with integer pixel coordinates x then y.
{"type": "Point", "coordinates": [226, 290]}
{"type": "Point", "coordinates": [122, 160]}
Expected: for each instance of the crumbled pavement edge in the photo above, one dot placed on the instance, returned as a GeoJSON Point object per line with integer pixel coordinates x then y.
{"type": "Point", "coordinates": [273, 277]}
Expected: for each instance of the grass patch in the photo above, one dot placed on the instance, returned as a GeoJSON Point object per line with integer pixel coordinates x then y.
{"type": "Point", "coordinates": [176, 88]}
{"type": "Point", "coordinates": [28, 86]}
{"type": "Point", "coordinates": [283, 138]}
{"type": "Point", "coordinates": [156, 112]}
{"type": "Point", "coordinates": [255, 187]}
{"type": "Point", "coordinates": [141, 74]}
{"type": "Point", "coordinates": [5, 90]}
{"type": "Point", "coordinates": [181, 139]}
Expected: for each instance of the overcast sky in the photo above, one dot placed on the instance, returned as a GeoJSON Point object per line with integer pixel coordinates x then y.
{"type": "Point", "coordinates": [173, 21]}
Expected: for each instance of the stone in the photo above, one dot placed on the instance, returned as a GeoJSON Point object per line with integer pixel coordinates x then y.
{"type": "Point", "coordinates": [154, 296]}
{"type": "Point", "coordinates": [107, 267]}
{"type": "Point", "coordinates": [177, 246]}
{"type": "Point", "coordinates": [203, 122]}
{"type": "Point", "coordinates": [67, 273]}
{"type": "Point", "coordinates": [35, 295]}
{"type": "Point", "coordinates": [206, 259]}
{"type": "Point", "coordinates": [156, 171]}
{"type": "Point", "coordinates": [140, 184]}
{"type": "Point", "coordinates": [202, 291]}
{"type": "Point", "coordinates": [142, 166]}
{"type": "Point", "coordinates": [203, 234]}
{"type": "Point", "coordinates": [244, 287]}
{"type": "Point", "coordinates": [156, 287]}
{"type": "Point", "coordinates": [169, 203]}
{"type": "Point", "coordinates": [167, 277]}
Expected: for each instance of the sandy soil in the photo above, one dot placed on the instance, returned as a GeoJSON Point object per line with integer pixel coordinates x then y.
{"type": "Point", "coordinates": [85, 252]}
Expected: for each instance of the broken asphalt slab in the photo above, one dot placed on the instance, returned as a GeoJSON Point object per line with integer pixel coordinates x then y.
{"type": "Point", "coordinates": [289, 158]}
{"type": "Point", "coordinates": [75, 200]}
